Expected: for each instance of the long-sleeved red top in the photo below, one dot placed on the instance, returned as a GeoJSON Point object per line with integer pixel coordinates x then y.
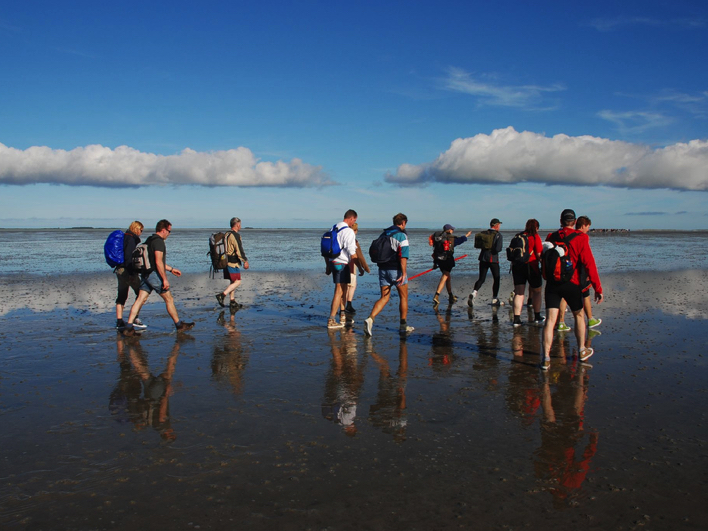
{"type": "Point", "coordinates": [580, 253]}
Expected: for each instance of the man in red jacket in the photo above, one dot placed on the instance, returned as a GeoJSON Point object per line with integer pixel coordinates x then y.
{"type": "Point", "coordinates": [582, 258]}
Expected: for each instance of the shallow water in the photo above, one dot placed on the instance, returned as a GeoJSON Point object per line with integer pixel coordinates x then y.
{"type": "Point", "coordinates": [266, 420]}
{"type": "Point", "coordinates": [68, 251]}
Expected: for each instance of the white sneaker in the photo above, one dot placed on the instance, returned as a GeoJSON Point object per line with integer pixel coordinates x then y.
{"type": "Point", "coordinates": [471, 298]}
{"type": "Point", "coordinates": [405, 329]}
{"type": "Point", "coordinates": [368, 325]}
{"type": "Point", "coordinates": [333, 325]}
{"type": "Point", "coordinates": [139, 324]}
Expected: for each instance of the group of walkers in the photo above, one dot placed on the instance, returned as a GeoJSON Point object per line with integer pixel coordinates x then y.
{"type": "Point", "coordinates": [572, 288]}
{"type": "Point", "coordinates": [570, 243]}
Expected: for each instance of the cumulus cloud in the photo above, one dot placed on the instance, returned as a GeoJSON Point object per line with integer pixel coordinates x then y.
{"type": "Point", "coordinates": [124, 166]}
{"type": "Point", "coordinates": [507, 156]}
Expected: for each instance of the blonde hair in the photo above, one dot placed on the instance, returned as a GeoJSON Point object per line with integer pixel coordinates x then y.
{"type": "Point", "coordinates": [135, 226]}
{"type": "Point", "coordinates": [355, 227]}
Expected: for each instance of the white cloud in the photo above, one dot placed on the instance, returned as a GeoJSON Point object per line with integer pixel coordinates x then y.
{"type": "Point", "coordinates": [633, 122]}
{"type": "Point", "coordinates": [491, 93]}
{"type": "Point", "coordinates": [507, 156]}
{"type": "Point", "coordinates": [124, 166]}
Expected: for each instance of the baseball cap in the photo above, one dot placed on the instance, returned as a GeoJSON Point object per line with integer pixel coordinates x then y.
{"type": "Point", "coordinates": [568, 215]}
{"type": "Point", "coordinates": [494, 222]}
{"type": "Point", "coordinates": [448, 227]}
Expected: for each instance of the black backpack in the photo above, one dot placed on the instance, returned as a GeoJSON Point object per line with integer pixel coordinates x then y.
{"type": "Point", "coordinates": [380, 250]}
{"type": "Point", "coordinates": [443, 245]}
{"type": "Point", "coordinates": [556, 265]}
{"type": "Point", "coordinates": [518, 251]}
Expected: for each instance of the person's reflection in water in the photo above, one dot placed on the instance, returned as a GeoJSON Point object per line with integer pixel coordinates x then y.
{"type": "Point", "coordinates": [389, 411]}
{"type": "Point", "coordinates": [128, 388]}
{"type": "Point", "coordinates": [344, 381]}
{"type": "Point", "coordinates": [229, 359]}
{"type": "Point", "coordinates": [563, 434]}
{"type": "Point", "coordinates": [151, 407]}
{"type": "Point", "coordinates": [442, 353]}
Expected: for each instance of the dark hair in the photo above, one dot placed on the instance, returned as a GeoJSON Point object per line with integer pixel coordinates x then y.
{"type": "Point", "coordinates": [399, 218]}
{"type": "Point", "coordinates": [233, 221]}
{"type": "Point", "coordinates": [532, 227]}
{"type": "Point", "coordinates": [350, 214]}
{"type": "Point", "coordinates": [162, 225]}
{"type": "Point", "coordinates": [582, 221]}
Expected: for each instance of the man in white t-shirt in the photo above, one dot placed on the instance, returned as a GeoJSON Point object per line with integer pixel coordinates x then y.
{"type": "Point", "coordinates": [341, 267]}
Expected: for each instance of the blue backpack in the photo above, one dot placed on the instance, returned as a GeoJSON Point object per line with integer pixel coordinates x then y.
{"type": "Point", "coordinates": [113, 249]}
{"type": "Point", "coordinates": [329, 244]}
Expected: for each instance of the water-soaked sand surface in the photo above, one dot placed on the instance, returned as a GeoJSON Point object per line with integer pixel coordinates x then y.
{"type": "Point", "coordinates": [267, 420]}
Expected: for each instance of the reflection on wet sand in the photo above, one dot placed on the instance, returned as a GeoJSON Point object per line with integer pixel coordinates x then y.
{"type": "Point", "coordinates": [140, 396]}
{"type": "Point", "coordinates": [563, 460]}
{"type": "Point", "coordinates": [344, 380]}
{"type": "Point", "coordinates": [442, 352]}
{"type": "Point", "coordinates": [389, 410]}
{"type": "Point", "coordinates": [229, 358]}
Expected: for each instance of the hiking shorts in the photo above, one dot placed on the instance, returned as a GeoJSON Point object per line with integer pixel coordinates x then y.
{"type": "Point", "coordinates": [232, 273]}
{"type": "Point", "coordinates": [568, 291]}
{"type": "Point", "coordinates": [126, 281]}
{"type": "Point", "coordinates": [151, 283]}
{"type": "Point", "coordinates": [388, 277]}
{"type": "Point", "coordinates": [341, 273]}
{"type": "Point", "coordinates": [524, 273]}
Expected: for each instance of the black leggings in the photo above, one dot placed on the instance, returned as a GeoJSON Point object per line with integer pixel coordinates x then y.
{"type": "Point", "coordinates": [483, 267]}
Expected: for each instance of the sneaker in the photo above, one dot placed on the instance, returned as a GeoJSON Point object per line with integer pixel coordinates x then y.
{"type": "Point", "coordinates": [592, 323]}
{"type": "Point", "coordinates": [120, 324]}
{"type": "Point", "coordinates": [562, 327]}
{"type": "Point", "coordinates": [538, 321]}
{"type": "Point", "coordinates": [184, 326]}
{"type": "Point", "coordinates": [220, 299]}
{"type": "Point", "coordinates": [139, 324]}
{"type": "Point", "coordinates": [350, 308]}
{"type": "Point", "coordinates": [593, 333]}
{"type": "Point", "coordinates": [333, 325]}
{"type": "Point", "coordinates": [529, 304]}
{"type": "Point", "coordinates": [452, 298]}
{"type": "Point", "coordinates": [471, 298]}
{"type": "Point", "coordinates": [405, 329]}
{"type": "Point", "coordinates": [368, 325]}
{"type": "Point", "coordinates": [585, 353]}
{"type": "Point", "coordinates": [497, 302]}
{"type": "Point", "coordinates": [546, 364]}
{"type": "Point", "coordinates": [517, 324]}
{"type": "Point", "coordinates": [235, 305]}
{"type": "Point", "coordinates": [436, 299]}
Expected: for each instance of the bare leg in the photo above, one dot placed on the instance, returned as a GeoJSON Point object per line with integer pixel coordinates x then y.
{"type": "Point", "coordinates": [548, 330]}
{"type": "Point", "coordinates": [535, 295]}
{"type": "Point", "coordinates": [336, 300]}
{"type": "Point", "coordinates": [519, 298]}
{"type": "Point", "coordinates": [232, 287]}
{"type": "Point", "coordinates": [382, 302]}
{"type": "Point", "coordinates": [587, 306]}
{"type": "Point", "coordinates": [561, 312]}
{"type": "Point", "coordinates": [403, 304]}
{"type": "Point", "coordinates": [444, 280]}
{"type": "Point", "coordinates": [135, 309]}
{"type": "Point", "coordinates": [579, 317]}
{"type": "Point", "coordinates": [169, 304]}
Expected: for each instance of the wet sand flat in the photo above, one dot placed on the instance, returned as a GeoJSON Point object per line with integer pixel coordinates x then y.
{"type": "Point", "coordinates": [266, 420]}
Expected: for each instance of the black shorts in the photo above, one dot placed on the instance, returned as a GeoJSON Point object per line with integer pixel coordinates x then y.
{"type": "Point", "coordinates": [341, 273]}
{"type": "Point", "coordinates": [568, 291]}
{"type": "Point", "coordinates": [524, 273]}
{"type": "Point", "coordinates": [445, 265]}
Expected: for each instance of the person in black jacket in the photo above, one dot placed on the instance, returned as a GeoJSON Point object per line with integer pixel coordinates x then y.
{"type": "Point", "coordinates": [127, 276]}
{"type": "Point", "coordinates": [489, 259]}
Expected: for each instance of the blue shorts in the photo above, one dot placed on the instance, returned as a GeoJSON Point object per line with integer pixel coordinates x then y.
{"type": "Point", "coordinates": [341, 273]}
{"type": "Point", "coordinates": [388, 277]}
{"type": "Point", "coordinates": [151, 283]}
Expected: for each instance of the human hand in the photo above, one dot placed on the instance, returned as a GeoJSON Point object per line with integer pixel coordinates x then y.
{"type": "Point", "coordinates": [599, 297]}
{"type": "Point", "coordinates": [176, 272]}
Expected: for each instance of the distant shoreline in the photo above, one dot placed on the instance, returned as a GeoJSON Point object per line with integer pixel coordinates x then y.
{"type": "Point", "coordinates": [599, 231]}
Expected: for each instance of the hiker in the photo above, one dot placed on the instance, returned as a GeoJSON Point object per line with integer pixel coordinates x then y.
{"type": "Point", "coordinates": [155, 279]}
{"type": "Point", "coordinates": [490, 242]}
{"type": "Point", "coordinates": [358, 264]}
{"type": "Point", "coordinates": [529, 272]}
{"type": "Point", "coordinates": [236, 257]}
{"type": "Point", "coordinates": [581, 257]}
{"type": "Point", "coordinates": [340, 267]}
{"type": "Point", "coordinates": [393, 272]}
{"type": "Point", "coordinates": [444, 244]}
{"type": "Point", "coordinates": [128, 277]}
{"type": "Point", "coordinates": [582, 224]}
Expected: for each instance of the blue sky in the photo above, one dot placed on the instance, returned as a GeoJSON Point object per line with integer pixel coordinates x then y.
{"type": "Point", "coordinates": [287, 114]}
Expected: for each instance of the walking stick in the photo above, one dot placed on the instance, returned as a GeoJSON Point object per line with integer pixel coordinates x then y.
{"type": "Point", "coordinates": [429, 270]}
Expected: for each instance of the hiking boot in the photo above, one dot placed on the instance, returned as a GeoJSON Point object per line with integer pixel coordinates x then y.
{"type": "Point", "coordinates": [350, 308]}
{"type": "Point", "coordinates": [592, 323]}
{"type": "Point", "coordinates": [234, 305]}
{"type": "Point", "coordinates": [139, 324]}
{"type": "Point", "coordinates": [368, 326]}
{"type": "Point", "coordinates": [436, 299]}
{"type": "Point", "coordinates": [562, 327]}
{"type": "Point", "coordinates": [471, 298]}
{"type": "Point", "coordinates": [517, 321]}
{"type": "Point", "coordinates": [120, 324]}
{"type": "Point", "coordinates": [452, 298]}
{"type": "Point", "coordinates": [184, 326]}
{"type": "Point", "coordinates": [220, 299]}
{"type": "Point", "coordinates": [497, 302]}
{"type": "Point", "coordinates": [585, 353]}
{"type": "Point", "coordinates": [405, 328]}
{"type": "Point", "coordinates": [333, 325]}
